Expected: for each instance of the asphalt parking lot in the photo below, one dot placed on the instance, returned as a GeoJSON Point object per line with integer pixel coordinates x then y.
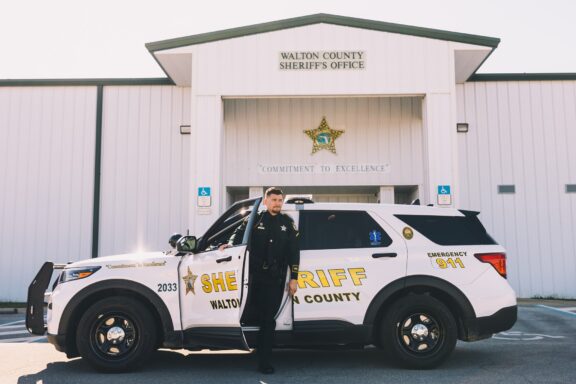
{"type": "Point", "coordinates": [539, 349]}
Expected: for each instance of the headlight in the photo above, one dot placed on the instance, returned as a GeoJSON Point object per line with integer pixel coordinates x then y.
{"type": "Point", "coordinates": [70, 274]}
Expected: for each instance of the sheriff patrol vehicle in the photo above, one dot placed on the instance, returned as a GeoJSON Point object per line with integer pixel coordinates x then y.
{"type": "Point", "coordinates": [409, 279]}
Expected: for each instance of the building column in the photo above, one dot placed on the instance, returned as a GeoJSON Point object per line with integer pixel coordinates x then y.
{"type": "Point", "coordinates": [440, 147]}
{"type": "Point", "coordinates": [206, 131]}
{"type": "Point", "coordinates": [386, 195]}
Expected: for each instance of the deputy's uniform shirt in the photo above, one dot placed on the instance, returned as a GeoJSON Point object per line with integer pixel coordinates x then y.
{"type": "Point", "coordinates": [274, 245]}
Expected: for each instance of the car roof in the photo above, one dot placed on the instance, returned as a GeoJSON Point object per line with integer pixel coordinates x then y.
{"type": "Point", "coordinates": [389, 209]}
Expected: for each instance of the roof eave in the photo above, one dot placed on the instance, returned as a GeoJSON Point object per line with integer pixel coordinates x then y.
{"type": "Point", "coordinates": [327, 19]}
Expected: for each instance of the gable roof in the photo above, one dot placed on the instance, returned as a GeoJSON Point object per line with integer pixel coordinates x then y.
{"type": "Point", "coordinates": [326, 19]}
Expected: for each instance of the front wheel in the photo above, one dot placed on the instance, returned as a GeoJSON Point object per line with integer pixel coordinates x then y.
{"type": "Point", "coordinates": [116, 334]}
{"type": "Point", "coordinates": [419, 331]}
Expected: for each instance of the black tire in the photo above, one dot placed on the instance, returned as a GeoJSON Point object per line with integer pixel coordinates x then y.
{"type": "Point", "coordinates": [116, 334]}
{"type": "Point", "coordinates": [418, 331]}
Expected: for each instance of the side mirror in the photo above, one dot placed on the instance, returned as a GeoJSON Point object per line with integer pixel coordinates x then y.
{"type": "Point", "coordinates": [186, 244]}
{"type": "Point", "coordinates": [174, 239]}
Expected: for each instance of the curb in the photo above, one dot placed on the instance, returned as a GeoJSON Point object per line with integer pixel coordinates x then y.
{"type": "Point", "coordinates": [12, 311]}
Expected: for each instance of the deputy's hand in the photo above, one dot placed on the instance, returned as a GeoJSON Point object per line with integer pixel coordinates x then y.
{"type": "Point", "coordinates": [223, 247]}
{"type": "Point", "coordinates": [292, 287]}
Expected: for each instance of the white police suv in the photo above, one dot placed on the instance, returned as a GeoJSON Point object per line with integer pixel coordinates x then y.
{"type": "Point", "coordinates": [409, 279]}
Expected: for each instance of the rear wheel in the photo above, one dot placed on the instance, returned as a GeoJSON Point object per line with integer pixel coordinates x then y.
{"type": "Point", "coordinates": [418, 331]}
{"type": "Point", "coordinates": [116, 334]}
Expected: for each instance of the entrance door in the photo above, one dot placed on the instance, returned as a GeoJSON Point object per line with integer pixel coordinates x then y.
{"type": "Point", "coordinates": [214, 283]}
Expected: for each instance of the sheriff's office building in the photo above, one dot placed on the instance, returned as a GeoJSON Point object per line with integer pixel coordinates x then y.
{"type": "Point", "coordinates": [341, 108]}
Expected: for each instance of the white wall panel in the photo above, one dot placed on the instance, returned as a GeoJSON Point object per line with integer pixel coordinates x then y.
{"type": "Point", "coordinates": [267, 132]}
{"type": "Point", "coordinates": [145, 167]}
{"type": "Point", "coordinates": [395, 63]}
{"type": "Point", "coordinates": [523, 133]}
{"type": "Point", "coordinates": [47, 137]}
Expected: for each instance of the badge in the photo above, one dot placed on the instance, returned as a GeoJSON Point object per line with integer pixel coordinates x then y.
{"type": "Point", "coordinates": [283, 228]}
{"type": "Point", "coordinates": [375, 237]}
{"type": "Point", "coordinates": [323, 137]}
{"type": "Point", "coordinates": [189, 280]}
{"type": "Point", "coordinates": [408, 233]}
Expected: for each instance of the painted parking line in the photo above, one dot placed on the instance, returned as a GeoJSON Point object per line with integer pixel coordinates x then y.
{"type": "Point", "coordinates": [16, 332]}
{"type": "Point", "coordinates": [522, 336]}
{"type": "Point", "coordinates": [22, 331]}
{"type": "Point", "coordinates": [23, 339]}
{"type": "Point", "coordinates": [13, 322]}
{"type": "Point", "coordinates": [563, 311]}
{"type": "Point", "coordinates": [6, 327]}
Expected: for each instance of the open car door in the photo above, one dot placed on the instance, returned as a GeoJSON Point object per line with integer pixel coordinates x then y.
{"type": "Point", "coordinates": [214, 283]}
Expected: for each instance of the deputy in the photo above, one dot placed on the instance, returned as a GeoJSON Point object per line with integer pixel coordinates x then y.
{"type": "Point", "coordinates": [273, 249]}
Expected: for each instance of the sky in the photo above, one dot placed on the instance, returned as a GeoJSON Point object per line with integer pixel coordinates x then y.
{"type": "Point", "coordinates": [105, 39]}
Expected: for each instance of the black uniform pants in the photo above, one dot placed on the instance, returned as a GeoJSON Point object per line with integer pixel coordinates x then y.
{"type": "Point", "coordinates": [268, 295]}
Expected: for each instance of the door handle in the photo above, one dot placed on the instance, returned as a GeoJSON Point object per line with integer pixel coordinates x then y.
{"type": "Point", "coordinates": [228, 258]}
{"type": "Point", "coordinates": [379, 255]}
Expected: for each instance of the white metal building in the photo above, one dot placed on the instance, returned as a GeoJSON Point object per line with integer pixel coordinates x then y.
{"type": "Point", "coordinates": [102, 166]}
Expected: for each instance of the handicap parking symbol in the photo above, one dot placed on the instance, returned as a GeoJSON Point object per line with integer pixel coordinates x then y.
{"type": "Point", "coordinates": [444, 190]}
{"type": "Point", "coordinates": [204, 191]}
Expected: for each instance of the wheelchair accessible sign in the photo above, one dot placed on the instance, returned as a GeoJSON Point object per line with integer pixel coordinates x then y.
{"type": "Point", "coordinates": [444, 195]}
{"type": "Point", "coordinates": [204, 197]}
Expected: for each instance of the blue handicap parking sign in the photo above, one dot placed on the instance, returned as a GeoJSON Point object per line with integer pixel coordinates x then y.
{"type": "Point", "coordinates": [203, 191]}
{"type": "Point", "coordinates": [444, 190]}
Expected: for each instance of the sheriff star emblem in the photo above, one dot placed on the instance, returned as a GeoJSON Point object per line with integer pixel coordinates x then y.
{"type": "Point", "coordinates": [189, 280]}
{"type": "Point", "coordinates": [323, 137]}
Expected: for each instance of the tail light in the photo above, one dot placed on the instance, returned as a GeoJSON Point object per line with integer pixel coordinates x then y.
{"type": "Point", "coordinates": [497, 260]}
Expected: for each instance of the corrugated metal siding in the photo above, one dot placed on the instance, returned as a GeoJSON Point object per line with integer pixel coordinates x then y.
{"type": "Point", "coordinates": [378, 130]}
{"type": "Point", "coordinates": [46, 180]}
{"type": "Point", "coordinates": [145, 167]}
{"type": "Point", "coordinates": [524, 133]}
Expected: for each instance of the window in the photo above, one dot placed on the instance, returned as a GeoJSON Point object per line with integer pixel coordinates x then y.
{"type": "Point", "coordinates": [221, 231]}
{"type": "Point", "coordinates": [340, 229]}
{"type": "Point", "coordinates": [226, 232]}
{"type": "Point", "coordinates": [450, 230]}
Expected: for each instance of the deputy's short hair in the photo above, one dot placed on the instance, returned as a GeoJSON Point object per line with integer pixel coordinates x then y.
{"type": "Point", "coordinates": [273, 191]}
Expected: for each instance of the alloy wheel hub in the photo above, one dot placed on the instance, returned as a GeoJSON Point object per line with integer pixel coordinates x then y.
{"type": "Point", "coordinates": [115, 334]}
{"type": "Point", "coordinates": [419, 331]}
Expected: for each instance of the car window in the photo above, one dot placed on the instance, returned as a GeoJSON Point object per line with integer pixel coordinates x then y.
{"type": "Point", "coordinates": [221, 231]}
{"type": "Point", "coordinates": [225, 232]}
{"type": "Point", "coordinates": [449, 230]}
{"type": "Point", "coordinates": [340, 229]}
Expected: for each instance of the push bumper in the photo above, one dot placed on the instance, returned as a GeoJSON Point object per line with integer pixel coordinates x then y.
{"type": "Point", "coordinates": [35, 305]}
{"type": "Point", "coordinates": [484, 327]}
{"type": "Point", "coordinates": [37, 298]}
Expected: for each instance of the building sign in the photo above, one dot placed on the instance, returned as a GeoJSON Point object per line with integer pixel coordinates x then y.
{"type": "Point", "coordinates": [204, 197]}
{"type": "Point", "coordinates": [322, 60]}
{"type": "Point", "coordinates": [444, 195]}
{"type": "Point", "coordinates": [312, 169]}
